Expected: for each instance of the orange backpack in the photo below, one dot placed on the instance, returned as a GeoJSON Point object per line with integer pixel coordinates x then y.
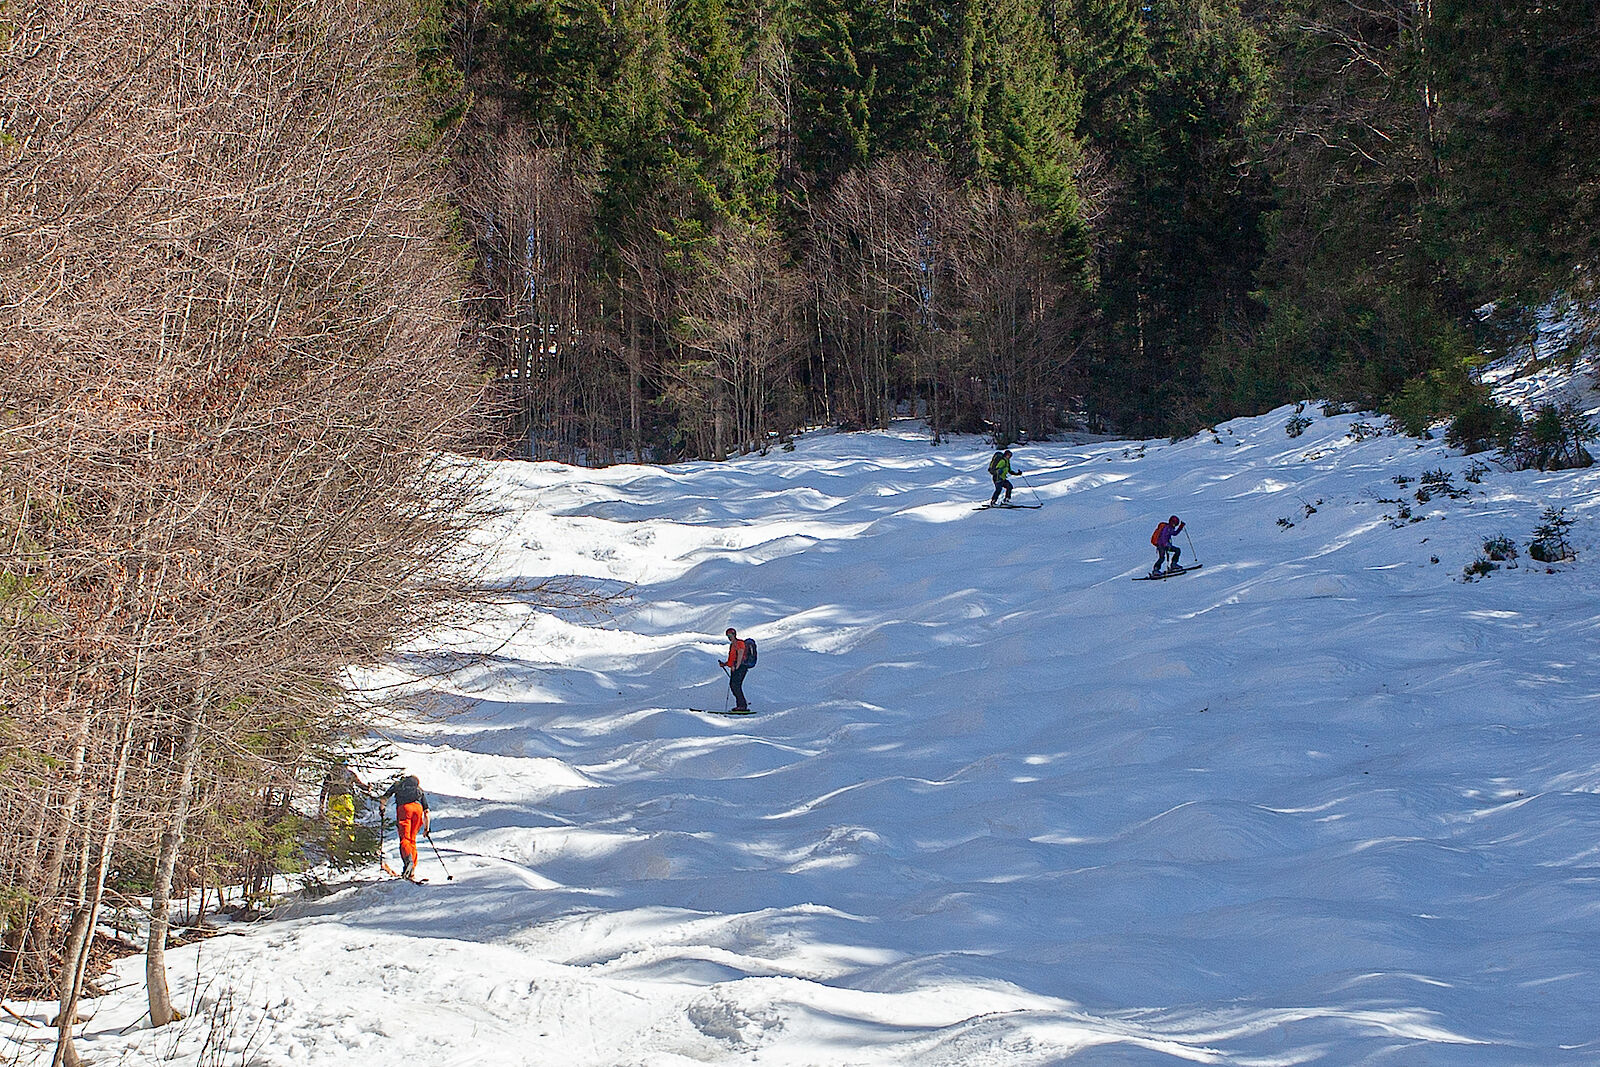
{"type": "Point", "coordinates": [1155, 538]}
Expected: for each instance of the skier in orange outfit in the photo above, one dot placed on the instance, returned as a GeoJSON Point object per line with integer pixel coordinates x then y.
{"type": "Point", "coordinates": [411, 816]}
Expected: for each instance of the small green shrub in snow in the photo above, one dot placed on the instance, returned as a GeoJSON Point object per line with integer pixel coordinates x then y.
{"type": "Point", "coordinates": [1500, 549]}
{"type": "Point", "coordinates": [1438, 483]}
{"type": "Point", "coordinates": [1551, 542]}
{"type": "Point", "coordinates": [1403, 515]}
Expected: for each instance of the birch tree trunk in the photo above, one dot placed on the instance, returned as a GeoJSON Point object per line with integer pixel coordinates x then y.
{"type": "Point", "coordinates": [75, 964]}
{"type": "Point", "coordinates": [155, 956]}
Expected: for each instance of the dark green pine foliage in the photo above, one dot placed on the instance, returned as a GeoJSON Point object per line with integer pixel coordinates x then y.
{"type": "Point", "coordinates": [719, 127]}
{"type": "Point", "coordinates": [1209, 193]}
{"type": "Point", "coordinates": [923, 99]}
{"type": "Point", "coordinates": [1362, 300]}
{"type": "Point", "coordinates": [630, 139]}
{"type": "Point", "coordinates": [1104, 43]}
{"type": "Point", "coordinates": [1430, 158]}
{"type": "Point", "coordinates": [1172, 91]}
{"type": "Point", "coordinates": [1518, 89]}
{"type": "Point", "coordinates": [975, 85]}
{"type": "Point", "coordinates": [836, 48]}
{"type": "Point", "coordinates": [594, 75]}
{"type": "Point", "coordinates": [1022, 114]}
{"type": "Point", "coordinates": [559, 60]}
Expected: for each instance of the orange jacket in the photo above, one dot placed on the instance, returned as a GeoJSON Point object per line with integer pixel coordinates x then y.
{"type": "Point", "coordinates": [735, 653]}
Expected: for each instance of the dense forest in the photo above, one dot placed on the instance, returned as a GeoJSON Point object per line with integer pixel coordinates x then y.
{"type": "Point", "coordinates": [699, 224]}
{"type": "Point", "coordinates": [264, 269]}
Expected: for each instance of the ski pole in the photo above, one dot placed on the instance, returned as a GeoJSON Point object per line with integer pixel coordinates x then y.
{"type": "Point", "coordinates": [447, 875]}
{"type": "Point", "coordinates": [1192, 553]}
{"type": "Point", "coordinates": [728, 696]}
{"type": "Point", "coordinates": [1031, 489]}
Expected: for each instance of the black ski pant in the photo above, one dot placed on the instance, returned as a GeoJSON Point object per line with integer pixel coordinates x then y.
{"type": "Point", "coordinates": [999, 484]}
{"type": "Point", "coordinates": [736, 683]}
{"type": "Point", "coordinates": [1161, 555]}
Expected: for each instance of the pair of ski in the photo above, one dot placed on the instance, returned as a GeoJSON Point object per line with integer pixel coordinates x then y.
{"type": "Point", "coordinates": [714, 711]}
{"type": "Point", "coordinates": [1173, 573]}
{"type": "Point", "coordinates": [383, 865]}
{"type": "Point", "coordinates": [1008, 505]}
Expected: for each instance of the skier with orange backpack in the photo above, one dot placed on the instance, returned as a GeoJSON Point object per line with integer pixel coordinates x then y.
{"type": "Point", "coordinates": [1162, 539]}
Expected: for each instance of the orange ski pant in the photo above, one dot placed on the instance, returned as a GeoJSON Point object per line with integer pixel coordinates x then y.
{"type": "Point", "coordinates": [409, 818]}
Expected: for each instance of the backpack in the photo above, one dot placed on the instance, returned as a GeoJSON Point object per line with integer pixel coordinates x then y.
{"type": "Point", "coordinates": [408, 790]}
{"type": "Point", "coordinates": [1155, 538]}
{"type": "Point", "coordinates": [749, 652]}
{"type": "Point", "coordinates": [994, 464]}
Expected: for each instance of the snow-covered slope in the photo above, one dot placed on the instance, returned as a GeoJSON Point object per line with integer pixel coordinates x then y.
{"type": "Point", "coordinates": [1322, 801]}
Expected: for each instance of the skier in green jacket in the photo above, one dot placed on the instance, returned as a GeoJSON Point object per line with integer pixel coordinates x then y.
{"type": "Point", "coordinates": [1001, 470]}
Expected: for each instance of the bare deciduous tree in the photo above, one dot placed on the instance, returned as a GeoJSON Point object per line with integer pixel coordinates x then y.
{"type": "Point", "coordinates": [229, 347]}
{"type": "Point", "coordinates": [531, 209]}
{"type": "Point", "coordinates": [737, 317]}
{"type": "Point", "coordinates": [947, 289]}
{"type": "Point", "coordinates": [1021, 309]}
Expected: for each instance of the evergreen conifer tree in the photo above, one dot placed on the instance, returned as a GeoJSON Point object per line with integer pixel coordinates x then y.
{"type": "Point", "coordinates": [836, 49]}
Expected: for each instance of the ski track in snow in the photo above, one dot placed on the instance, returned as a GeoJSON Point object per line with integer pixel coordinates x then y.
{"type": "Point", "coordinates": [1319, 802]}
